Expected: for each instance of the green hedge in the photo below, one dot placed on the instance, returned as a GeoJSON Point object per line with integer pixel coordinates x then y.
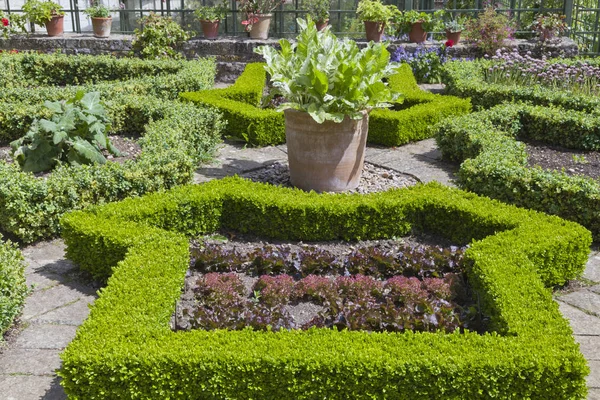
{"type": "Point", "coordinates": [494, 163]}
{"type": "Point", "coordinates": [126, 349]}
{"type": "Point", "coordinates": [13, 289]}
{"type": "Point", "coordinates": [466, 79]}
{"type": "Point", "coordinates": [262, 127]}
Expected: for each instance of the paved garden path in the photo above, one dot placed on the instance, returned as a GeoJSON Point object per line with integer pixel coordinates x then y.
{"type": "Point", "coordinates": [60, 298]}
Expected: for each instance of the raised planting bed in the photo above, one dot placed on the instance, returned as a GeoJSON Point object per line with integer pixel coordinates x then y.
{"type": "Point", "coordinates": [408, 121]}
{"type": "Point", "coordinates": [126, 348]}
{"type": "Point", "coordinates": [140, 99]}
{"type": "Point", "coordinates": [496, 164]}
{"type": "Point", "coordinates": [512, 78]}
{"type": "Point", "coordinates": [13, 289]}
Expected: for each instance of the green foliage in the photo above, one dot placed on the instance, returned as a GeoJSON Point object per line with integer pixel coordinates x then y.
{"type": "Point", "coordinates": [318, 10]}
{"type": "Point", "coordinates": [160, 37]}
{"type": "Point", "coordinates": [75, 133]}
{"type": "Point", "coordinates": [13, 289]}
{"type": "Point", "coordinates": [404, 21]}
{"type": "Point", "coordinates": [12, 24]}
{"type": "Point", "coordinates": [40, 12]}
{"type": "Point", "coordinates": [418, 110]}
{"type": "Point", "coordinates": [375, 11]}
{"type": "Point", "coordinates": [495, 164]}
{"type": "Point", "coordinates": [212, 13]}
{"type": "Point", "coordinates": [97, 10]}
{"type": "Point", "coordinates": [329, 78]}
{"type": "Point", "coordinates": [467, 79]}
{"type": "Point", "coordinates": [126, 347]}
{"type": "Point", "coordinates": [489, 30]}
{"type": "Point", "coordinates": [548, 26]}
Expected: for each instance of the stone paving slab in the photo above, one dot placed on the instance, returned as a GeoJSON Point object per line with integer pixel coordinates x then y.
{"type": "Point", "coordinates": [584, 300]}
{"type": "Point", "coordinates": [42, 302]}
{"type": "Point", "coordinates": [30, 387]}
{"type": "Point", "coordinates": [45, 336]}
{"type": "Point", "coordinates": [581, 322]}
{"type": "Point", "coordinates": [30, 361]}
{"type": "Point", "coordinates": [590, 348]}
{"type": "Point", "coordinates": [592, 271]}
{"type": "Point", "coordinates": [594, 394]}
{"type": "Point", "coordinates": [593, 380]}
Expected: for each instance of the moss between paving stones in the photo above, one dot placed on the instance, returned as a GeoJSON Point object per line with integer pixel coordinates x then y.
{"type": "Point", "coordinates": [126, 349]}
{"type": "Point", "coordinates": [466, 79]}
{"type": "Point", "coordinates": [262, 127]}
{"type": "Point", "coordinates": [494, 163]}
{"type": "Point", "coordinates": [13, 289]}
{"type": "Point", "coordinates": [176, 136]}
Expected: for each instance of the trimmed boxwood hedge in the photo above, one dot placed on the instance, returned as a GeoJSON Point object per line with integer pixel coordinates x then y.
{"type": "Point", "coordinates": [13, 289]}
{"type": "Point", "coordinates": [140, 98]}
{"type": "Point", "coordinates": [494, 163]}
{"type": "Point", "coordinates": [262, 127]}
{"type": "Point", "coordinates": [466, 79]}
{"type": "Point", "coordinates": [126, 349]}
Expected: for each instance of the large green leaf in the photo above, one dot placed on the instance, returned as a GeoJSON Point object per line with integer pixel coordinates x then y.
{"type": "Point", "coordinates": [88, 152]}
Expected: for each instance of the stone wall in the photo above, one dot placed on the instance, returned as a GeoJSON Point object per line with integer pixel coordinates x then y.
{"type": "Point", "coordinates": [232, 53]}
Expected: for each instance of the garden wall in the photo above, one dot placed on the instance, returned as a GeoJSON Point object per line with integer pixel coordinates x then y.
{"type": "Point", "coordinates": [232, 52]}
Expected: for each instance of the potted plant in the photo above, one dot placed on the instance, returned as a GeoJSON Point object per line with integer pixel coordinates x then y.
{"type": "Point", "coordinates": [417, 24]}
{"type": "Point", "coordinates": [46, 13]}
{"type": "Point", "coordinates": [210, 17]}
{"type": "Point", "coordinates": [548, 26]}
{"type": "Point", "coordinates": [330, 85]}
{"type": "Point", "coordinates": [258, 16]}
{"type": "Point", "coordinates": [454, 29]}
{"type": "Point", "coordinates": [375, 16]}
{"type": "Point", "coordinates": [489, 30]}
{"type": "Point", "coordinates": [101, 19]}
{"type": "Point", "coordinates": [11, 24]}
{"type": "Point", "coordinates": [318, 10]}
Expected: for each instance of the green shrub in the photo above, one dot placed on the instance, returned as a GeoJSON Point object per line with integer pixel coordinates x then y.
{"type": "Point", "coordinates": [467, 79]}
{"type": "Point", "coordinates": [263, 127]}
{"type": "Point", "coordinates": [159, 37]}
{"type": "Point", "coordinates": [495, 164]}
{"type": "Point", "coordinates": [13, 289]}
{"type": "Point", "coordinates": [126, 348]}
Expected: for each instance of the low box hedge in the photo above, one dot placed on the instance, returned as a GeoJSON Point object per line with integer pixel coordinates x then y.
{"type": "Point", "coordinates": [13, 288]}
{"type": "Point", "coordinates": [126, 349]}
{"type": "Point", "coordinates": [140, 98]}
{"type": "Point", "coordinates": [494, 163]}
{"type": "Point", "coordinates": [262, 127]}
{"type": "Point", "coordinates": [467, 79]}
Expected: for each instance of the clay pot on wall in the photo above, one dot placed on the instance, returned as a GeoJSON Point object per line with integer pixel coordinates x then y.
{"type": "Point", "coordinates": [210, 29]}
{"type": "Point", "coordinates": [55, 27]}
{"type": "Point", "coordinates": [101, 26]}
{"type": "Point", "coordinates": [260, 28]}
{"type": "Point", "coordinates": [454, 36]}
{"type": "Point", "coordinates": [327, 157]}
{"type": "Point", "coordinates": [321, 24]}
{"type": "Point", "coordinates": [417, 34]}
{"type": "Point", "coordinates": [374, 30]}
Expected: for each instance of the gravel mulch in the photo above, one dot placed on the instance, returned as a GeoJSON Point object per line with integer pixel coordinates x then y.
{"type": "Point", "coordinates": [373, 179]}
{"type": "Point", "coordinates": [572, 162]}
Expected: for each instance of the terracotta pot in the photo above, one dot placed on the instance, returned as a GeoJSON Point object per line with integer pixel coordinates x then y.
{"type": "Point", "coordinates": [260, 29]}
{"type": "Point", "coordinates": [101, 27]}
{"type": "Point", "coordinates": [321, 24]}
{"type": "Point", "coordinates": [325, 157]}
{"type": "Point", "coordinates": [374, 30]}
{"type": "Point", "coordinates": [454, 36]}
{"type": "Point", "coordinates": [210, 29]}
{"type": "Point", "coordinates": [55, 27]}
{"type": "Point", "coordinates": [417, 34]}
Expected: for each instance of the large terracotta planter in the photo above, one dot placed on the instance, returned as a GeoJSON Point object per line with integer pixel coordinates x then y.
{"type": "Point", "coordinates": [321, 24]}
{"type": "Point", "coordinates": [454, 36]}
{"type": "Point", "coordinates": [210, 29]}
{"type": "Point", "coordinates": [417, 34]}
{"type": "Point", "coordinates": [260, 29]}
{"type": "Point", "coordinates": [55, 27]}
{"type": "Point", "coordinates": [374, 30]}
{"type": "Point", "coordinates": [101, 26]}
{"type": "Point", "coordinates": [325, 157]}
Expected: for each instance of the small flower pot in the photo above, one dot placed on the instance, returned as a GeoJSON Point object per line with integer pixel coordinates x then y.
{"type": "Point", "coordinates": [454, 36]}
{"type": "Point", "coordinates": [374, 30]}
{"type": "Point", "coordinates": [322, 24]}
{"type": "Point", "coordinates": [210, 29]}
{"type": "Point", "coordinates": [55, 27]}
{"type": "Point", "coordinates": [101, 26]}
{"type": "Point", "coordinates": [260, 28]}
{"type": "Point", "coordinates": [327, 157]}
{"type": "Point", "coordinates": [417, 34]}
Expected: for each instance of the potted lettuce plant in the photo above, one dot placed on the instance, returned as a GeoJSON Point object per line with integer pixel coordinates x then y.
{"type": "Point", "coordinates": [101, 19]}
{"type": "Point", "coordinates": [318, 10]}
{"type": "Point", "coordinates": [258, 16]}
{"type": "Point", "coordinates": [45, 13]}
{"type": "Point", "coordinates": [417, 24]}
{"type": "Point", "coordinates": [375, 16]}
{"type": "Point", "coordinates": [329, 85]}
{"type": "Point", "coordinates": [210, 17]}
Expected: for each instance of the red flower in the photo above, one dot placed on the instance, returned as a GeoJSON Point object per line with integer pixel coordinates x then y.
{"type": "Point", "coordinates": [449, 43]}
{"type": "Point", "coordinates": [5, 21]}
